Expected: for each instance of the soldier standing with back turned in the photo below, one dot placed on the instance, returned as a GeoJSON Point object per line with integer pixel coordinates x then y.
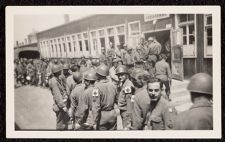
{"type": "Point", "coordinates": [104, 97]}
{"type": "Point", "coordinates": [200, 114]}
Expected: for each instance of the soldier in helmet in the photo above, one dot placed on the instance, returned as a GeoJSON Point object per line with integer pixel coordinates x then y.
{"type": "Point", "coordinates": [126, 91]}
{"type": "Point", "coordinates": [154, 49]}
{"type": "Point", "coordinates": [70, 81]}
{"type": "Point", "coordinates": [104, 97]}
{"type": "Point", "coordinates": [60, 98]}
{"type": "Point", "coordinates": [74, 96]}
{"type": "Point", "coordinates": [84, 119]}
{"type": "Point", "coordinates": [162, 114]}
{"type": "Point", "coordinates": [112, 71]}
{"type": "Point", "coordinates": [200, 115]}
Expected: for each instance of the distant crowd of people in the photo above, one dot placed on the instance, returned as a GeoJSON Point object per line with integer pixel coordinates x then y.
{"type": "Point", "coordinates": [133, 83]}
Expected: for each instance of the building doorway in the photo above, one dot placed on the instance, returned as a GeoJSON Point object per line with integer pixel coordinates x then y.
{"type": "Point", "coordinates": [163, 37]}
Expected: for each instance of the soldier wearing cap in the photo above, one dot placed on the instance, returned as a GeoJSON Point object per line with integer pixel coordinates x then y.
{"type": "Point", "coordinates": [161, 115]}
{"type": "Point", "coordinates": [104, 97]}
{"type": "Point", "coordinates": [200, 114]}
{"type": "Point", "coordinates": [126, 92]}
{"type": "Point", "coordinates": [60, 98]}
{"type": "Point", "coordinates": [84, 119]}
{"type": "Point", "coordinates": [75, 95]}
{"type": "Point", "coordinates": [163, 73]}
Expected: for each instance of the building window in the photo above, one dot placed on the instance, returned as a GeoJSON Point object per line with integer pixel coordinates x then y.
{"type": "Point", "coordinates": [60, 49]}
{"type": "Point", "coordinates": [64, 46]}
{"type": "Point", "coordinates": [187, 24]}
{"type": "Point", "coordinates": [110, 31]}
{"type": "Point", "coordinates": [208, 35]}
{"type": "Point", "coordinates": [85, 35]}
{"type": "Point", "coordinates": [73, 37]}
{"type": "Point", "coordinates": [121, 34]}
{"type": "Point", "coordinates": [102, 41]}
{"type": "Point", "coordinates": [69, 44]}
{"type": "Point", "coordinates": [74, 46]}
{"type": "Point", "coordinates": [120, 29]}
{"type": "Point", "coordinates": [134, 28]}
{"type": "Point", "coordinates": [94, 39]}
{"type": "Point", "coordinates": [101, 33]}
{"type": "Point", "coordinates": [80, 44]}
{"type": "Point", "coordinates": [86, 44]}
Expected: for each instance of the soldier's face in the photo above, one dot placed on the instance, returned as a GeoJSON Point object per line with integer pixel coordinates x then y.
{"type": "Point", "coordinates": [137, 82]}
{"type": "Point", "coordinates": [86, 83]}
{"type": "Point", "coordinates": [154, 91]}
{"type": "Point", "coordinates": [122, 77]}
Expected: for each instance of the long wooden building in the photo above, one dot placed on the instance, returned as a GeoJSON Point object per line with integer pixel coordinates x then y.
{"type": "Point", "coordinates": [190, 37]}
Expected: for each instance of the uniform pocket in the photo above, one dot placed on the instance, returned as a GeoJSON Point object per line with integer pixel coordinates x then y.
{"type": "Point", "coordinates": [157, 123]}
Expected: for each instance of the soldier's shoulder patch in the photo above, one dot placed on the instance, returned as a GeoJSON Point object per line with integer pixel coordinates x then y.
{"type": "Point", "coordinates": [132, 98]}
{"type": "Point", "coordinates": [127, 89]}
{"type": "Point", "coordinates": [95, 93]}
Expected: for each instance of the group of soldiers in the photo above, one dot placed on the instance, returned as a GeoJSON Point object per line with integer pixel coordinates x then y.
{"type": "Point", "coordinates": [127, 83]}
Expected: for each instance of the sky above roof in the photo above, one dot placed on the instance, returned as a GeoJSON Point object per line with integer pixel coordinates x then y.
{"type": "Point", "coordinates": [26, 24]}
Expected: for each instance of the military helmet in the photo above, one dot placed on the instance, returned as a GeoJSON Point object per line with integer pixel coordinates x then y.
{"type": "Point", "coordinates": [56, 68]}
{"type": "Point", "coordinates": [103, 70]}
{"type": "Point", "coordinates": [77, 76]}
{"type": "Point", "coordinates": [94, 62]}
{"type": "Point", "coordinates": [66, 66]}
{"type": "Point", "coordinates": [90, 75]}
{"type": "Point", "coordinates": [121, 69]}
{"type": "Point", "coordinates": [201, 83]}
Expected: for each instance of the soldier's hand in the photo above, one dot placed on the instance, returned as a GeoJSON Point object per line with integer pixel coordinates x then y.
{"type": "Point", "coordinates": [94, 126]}
{"type": "Point", "coordinates": [71, 119]}
{"type": "Point", "coordinates": [77, 126]}
{"type": "Point", "coordinates": [65, 109]}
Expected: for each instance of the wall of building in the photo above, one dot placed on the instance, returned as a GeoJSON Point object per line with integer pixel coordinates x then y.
{"type": "Point", "coordinates": [191, 63]}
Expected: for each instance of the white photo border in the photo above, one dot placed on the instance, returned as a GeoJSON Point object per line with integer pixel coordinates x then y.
{"type": "Point", "coordinates": [42, 10]}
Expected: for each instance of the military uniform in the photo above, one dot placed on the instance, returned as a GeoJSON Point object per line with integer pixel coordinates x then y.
{"type": "Point", "coordinates": [161, 116]}
{"type": "Point", "coordinates": [141, 107]}
{"type": "Point", "coordinates": [74, 98]}
{"type": "Point", "coordinates": [85, 107]}
{"type": "Point", "coordinates": [70, 84]}
{"type": "Point", "coordinates": [164, 74]}
{"type": "Point", "coordinates": [198, 117]}
{"type": "Point", "coordinates": [125, 102]}
{"type": "Point", "coordinates": [104, 96]}
{"type": "Point", "coordinates": [112, 74]}
{"type": "Point", "coordinates": [154, 48]}
{"type": "Point", "coordinates": [110, 55]}
{"type": "Point", "coordinates": [59, 96]}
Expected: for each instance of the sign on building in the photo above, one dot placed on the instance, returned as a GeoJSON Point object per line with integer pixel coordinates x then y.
{"type": "Point", "coordinates": [151, 17]}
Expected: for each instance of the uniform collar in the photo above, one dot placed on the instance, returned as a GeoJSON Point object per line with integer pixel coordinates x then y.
{"type": "Point", "coordinates": [104, 80]}
{"type": "Point", "coordinates": [201, 104]}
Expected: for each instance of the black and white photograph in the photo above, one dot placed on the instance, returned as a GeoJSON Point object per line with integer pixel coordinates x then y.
{"type": "Point", "coordinates": [113, 72]}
